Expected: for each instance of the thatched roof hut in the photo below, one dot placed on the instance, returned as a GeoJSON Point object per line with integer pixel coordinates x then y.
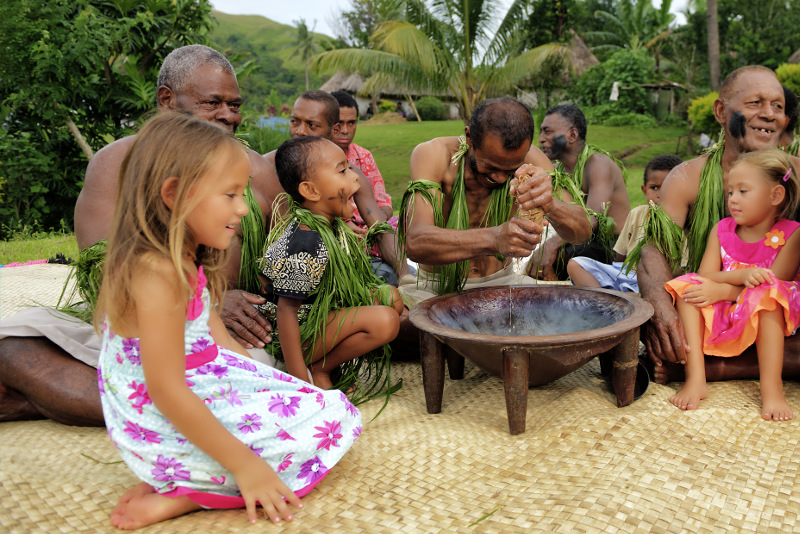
{"type": "Point", "coordinates": [343, 82]}
{"type": "Point", "coordinates": [580, 57]}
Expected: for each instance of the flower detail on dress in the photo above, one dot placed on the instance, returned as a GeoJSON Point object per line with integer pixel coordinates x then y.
{"type": "Point", "coordinates": [305, 389]}
{"type": "Point", "coordinates": [169, 469]}
{"type": "Point", "coordinates": [201, 344]}
{"type": "Point", "coordinates": [196, 304]}
{"type": "Point", "coordinates": [284, 435]}
{"type": "Point", "coordinates": [349, 406]}
{"type": "Point", "coordinates": [219, 371]}
{"type": "Point", "coordinates": [218, 480]}
{"type": "Point", "coordinates": [257, 450]}
{"type": "Point", "coordinates": [312, 470]}
{"type": "Point", "coordinates": [356, 432]}
{"type": "Point", "coordinates": [250, 423]}
{"type": "Point", "coordinates": [101, 381]}
{"type": "Point", "coordinates": [284, 406]}
{"type": "Point", "coordinates": [140, 395]}
{"type": "Point", "coordinates": [139, 433]}
{"type": "Point", "coordinates": [286, 461]}
{"type": "Point", "coordinates": [231, 395]}
{"type": "Point", "coordinates": [131, 349]}
{"type": "Point", "coordinates": [240, 363]}
{"type": "Point", "coordinates": [320, 398]}
{"type": "Point", "coordinates": [775, 239]}
{"type": "Point", "coordinates": [330, 434]}
{"type": "Point", "coordinates": [282, 377]}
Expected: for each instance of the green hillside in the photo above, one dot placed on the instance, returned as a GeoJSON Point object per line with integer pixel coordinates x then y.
{"type": "Point", "coordinates": [269, 44]}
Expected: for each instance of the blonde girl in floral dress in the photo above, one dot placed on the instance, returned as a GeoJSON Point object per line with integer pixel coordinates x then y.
{"type": "Point", "coordinates": [198, 421]}
{"type": "Point", "coordinates": [746, 290]}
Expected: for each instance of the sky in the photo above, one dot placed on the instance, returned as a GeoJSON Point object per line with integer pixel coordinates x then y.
{"type": "Point", "coordinates": [323, 12]}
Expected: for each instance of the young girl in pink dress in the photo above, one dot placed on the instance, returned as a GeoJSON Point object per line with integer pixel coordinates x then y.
{"type": "Point", "coordinates": [198, 421]}
{"type": "Point", "coordinates": [746, 289]}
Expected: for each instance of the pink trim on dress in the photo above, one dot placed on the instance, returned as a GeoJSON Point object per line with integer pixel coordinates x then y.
{"type": "Point", "coordinates": [197, 359]}
{"type": "Point", "coordinates": [195, 307]}
{"type": "Point", "coordinates": [216, 501]}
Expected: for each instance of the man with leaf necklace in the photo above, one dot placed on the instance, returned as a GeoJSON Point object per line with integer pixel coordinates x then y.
{"type": "Point", "coordinates": [587, 172]}
{"type": "Point", "coordinates": [457, 215]}
{"type": "Point", "coordinates": [750, 109]}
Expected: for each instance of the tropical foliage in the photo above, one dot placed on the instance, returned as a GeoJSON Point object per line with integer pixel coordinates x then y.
{"type": "Point", "coordinates": [445, 47]}
{"type": "Point", "coordinates": [74, 75]}
{"type": "Point", "coordinates": [789, 76]}
{"type": "Point", "coordinates": [701, 114]}
{"type": "Point", "coordinates": [304, 46]}
{"type": "Point", "coordinates": [634, 25]}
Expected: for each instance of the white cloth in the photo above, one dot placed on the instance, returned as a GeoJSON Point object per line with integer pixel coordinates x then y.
{"type": "Point", "coordinates": [609, 276]}
{"type": "Point", "coordinates": [73, 336]}
{"type": "Point", "coordinates": [614, 92]}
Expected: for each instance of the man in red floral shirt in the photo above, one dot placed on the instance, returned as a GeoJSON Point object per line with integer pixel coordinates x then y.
{"type": "Point", "coordinates": [361, 158]}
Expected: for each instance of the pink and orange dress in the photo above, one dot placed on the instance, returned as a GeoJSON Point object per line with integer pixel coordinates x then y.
{"type": "Point", "coordinates": [731, 327]}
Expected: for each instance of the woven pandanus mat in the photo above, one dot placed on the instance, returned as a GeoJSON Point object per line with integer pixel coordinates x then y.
{"type": "Point", "coordinates": [583, 465]}
{"type": "Point", "coordinates": [30, 285]}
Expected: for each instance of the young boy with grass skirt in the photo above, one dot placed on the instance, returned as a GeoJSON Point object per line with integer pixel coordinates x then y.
{"type": "Point", "coordinates": [334, 317]}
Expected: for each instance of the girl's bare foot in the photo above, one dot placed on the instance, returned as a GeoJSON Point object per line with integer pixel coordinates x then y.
{"type": "Point", "coordinates": [141, 506]}
{"type": "Point", "coordinates": [690, 395]}
{"type": "Point", "coordinates": [774, 406]}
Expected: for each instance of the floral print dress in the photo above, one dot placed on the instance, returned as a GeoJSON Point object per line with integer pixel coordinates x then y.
{"type": "Point", "coordinates": [731, 327]}
{"type": "Point", "coordinates": [298, 429]}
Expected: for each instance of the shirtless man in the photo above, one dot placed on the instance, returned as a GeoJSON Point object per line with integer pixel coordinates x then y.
{"type": "Point", "coordinates": [498, 148]}
{"type": "Point", "coordinates": [562, 138]}
{"type": "Point", "coordinates": [316, 112]}
{"type": "Point", "coordinates": [750, 109]}
{"type": "Point", "coordinates": [39, 378]}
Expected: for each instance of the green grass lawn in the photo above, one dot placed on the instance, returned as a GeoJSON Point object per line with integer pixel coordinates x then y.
{"type": "Point", "coordinates": [391, 144]}
{"type": "Point", "coordinates": [38, 248]}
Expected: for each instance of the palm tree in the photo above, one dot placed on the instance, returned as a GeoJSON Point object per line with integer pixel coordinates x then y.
{"type": "Point", "coordinates": [712, 34]}
{"type": "Point", "coordinates": [635, 26]}
{"type": "Point", "coordinates": [713, 43]}
{"type": "Point", "coordinates": [304, 44]}
{"type": "Point", "coordinates": [445, 47]}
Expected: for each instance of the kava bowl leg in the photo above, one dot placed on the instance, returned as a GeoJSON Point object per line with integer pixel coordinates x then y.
{"type": "Point", "coordinates": [626, 359]}
{"type": "Point", "coordinates": [432, 359]}
{"type": "Point", "coordinates": [515, 383]}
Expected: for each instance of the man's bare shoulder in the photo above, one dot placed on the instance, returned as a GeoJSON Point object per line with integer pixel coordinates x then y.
{"type": "Point", "coordinates": [431, 160]}
{"type": "Point", "coordinates": [105, 164]}
{"type": "Point", "coordinates": [536, 157]}
{"type": "Point", "coordinates": [687, 173]}
{"type": "Point", "coordinates": [601, 165]}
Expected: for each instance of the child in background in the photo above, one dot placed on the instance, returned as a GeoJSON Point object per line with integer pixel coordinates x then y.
{"type": "Point", "coordinates": [746, 289]}
{"type": "Point", "coordinates": [592, 273]}
{"type": "Point", "coordinates": [199, 422]}
{"type": "Point", "coordinates": [319, 285]}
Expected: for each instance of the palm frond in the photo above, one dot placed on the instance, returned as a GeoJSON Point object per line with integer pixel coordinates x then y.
{"type": "Point", "coordinates": [529, 64]}
{"type": "Point", "coordinates": [505, 37]}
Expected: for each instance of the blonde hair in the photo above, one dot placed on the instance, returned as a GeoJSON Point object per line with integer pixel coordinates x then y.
{"type": "Point", "coordinates": [774, 164]}
{"type": "Point", "coordinates": [172, 144]}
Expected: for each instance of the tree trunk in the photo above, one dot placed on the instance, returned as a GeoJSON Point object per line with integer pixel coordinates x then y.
{"type": "Point", "coordinates": [73, 128]}
{"type": "Point", "coordinates": [713, 43]}
{"type": "Point", "coordinates": [411, 103]}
